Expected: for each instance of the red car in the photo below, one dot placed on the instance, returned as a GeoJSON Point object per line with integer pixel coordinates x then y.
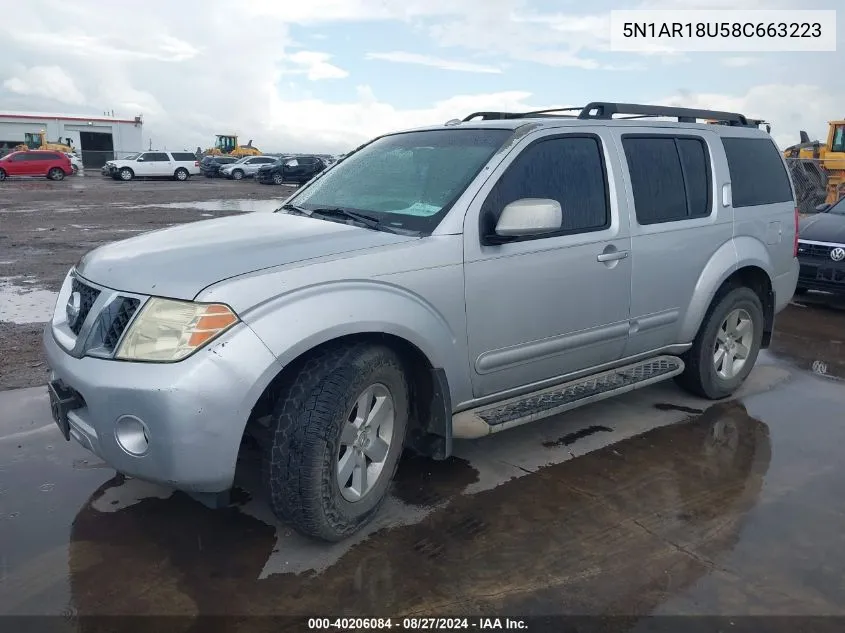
{"type": "Point", "coordinates": [42, 163]}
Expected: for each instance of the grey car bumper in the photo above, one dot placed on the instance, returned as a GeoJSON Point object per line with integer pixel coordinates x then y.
{"type": "Point", "coordinates": [192, 412]}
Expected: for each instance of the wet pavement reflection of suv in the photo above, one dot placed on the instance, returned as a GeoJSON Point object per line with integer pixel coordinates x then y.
{"type": "Point", "coordinates": [446, 282]}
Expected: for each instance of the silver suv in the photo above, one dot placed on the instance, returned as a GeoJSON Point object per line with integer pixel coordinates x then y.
{"type": "Point", "coordinates": [446, 282]}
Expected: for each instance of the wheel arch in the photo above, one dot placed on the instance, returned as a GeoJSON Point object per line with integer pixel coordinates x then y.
{"type": "Point", "coordinates": [726, 270]}
{"type": "Point", "coordinates": [430, 425]}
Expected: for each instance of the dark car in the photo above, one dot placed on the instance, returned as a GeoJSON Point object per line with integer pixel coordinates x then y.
{"type": "Point", "coordinates": [298, 169]}
{"type": "Point", "coordinates": [210, 165]}
{"type": "Point", "coordinates": [821, 250]}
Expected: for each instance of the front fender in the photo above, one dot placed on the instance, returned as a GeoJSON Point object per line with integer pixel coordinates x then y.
{"type": "Point", "coordinates": [737, 253]}
{"type": "Point", "coordinates": [298, 321]}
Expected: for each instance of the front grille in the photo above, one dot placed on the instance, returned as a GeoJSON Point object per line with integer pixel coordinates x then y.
{"type": "Point", "coordinates": [816, 251]}
{"type": "Point", "coordinates": [88, 296]}
{"type": "Point", "coordinates": [125, 312]}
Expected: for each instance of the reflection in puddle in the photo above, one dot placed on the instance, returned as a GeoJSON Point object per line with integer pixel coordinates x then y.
{"type": "Point", "coordinates": [243, 205]}
{"type": "Point", "coordinates": [19, 304]}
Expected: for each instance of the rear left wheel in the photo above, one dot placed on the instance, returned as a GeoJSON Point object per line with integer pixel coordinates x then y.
{"type": "Point", "coordinates": [181, 174]}
{"type": "Point", "coordinates": [338, 432]}
{"type": "Point", "coordinates": [726, 347]}
{"type": "Point", "coordinates": [56, 174]}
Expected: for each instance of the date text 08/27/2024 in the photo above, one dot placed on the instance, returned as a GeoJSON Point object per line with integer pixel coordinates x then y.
{"type": "Point", "coordinates": [416, 624]}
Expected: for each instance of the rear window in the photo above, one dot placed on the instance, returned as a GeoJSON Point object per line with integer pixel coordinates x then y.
{"type": "Point", "coordinates": [758, 175]}
{"type": "Point", "coordinates": [184, 156]}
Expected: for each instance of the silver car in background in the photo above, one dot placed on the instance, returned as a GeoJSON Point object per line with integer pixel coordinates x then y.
{"type": "Point", "coordinates": [246, 167]}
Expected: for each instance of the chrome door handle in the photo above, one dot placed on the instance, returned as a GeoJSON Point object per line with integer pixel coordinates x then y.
{"type": "Point", "coordinates": [609, 257]}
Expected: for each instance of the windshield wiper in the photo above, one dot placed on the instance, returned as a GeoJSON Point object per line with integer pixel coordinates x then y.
{"type": "Point", "coordinates": [337, 212]}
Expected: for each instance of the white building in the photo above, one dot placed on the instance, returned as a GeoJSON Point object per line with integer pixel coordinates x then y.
{"type": "Point", "coordinates": [96, 138]}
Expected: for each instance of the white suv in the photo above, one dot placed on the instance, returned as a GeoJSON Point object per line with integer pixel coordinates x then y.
{"type": "Point", "coordinates": [177, 165]}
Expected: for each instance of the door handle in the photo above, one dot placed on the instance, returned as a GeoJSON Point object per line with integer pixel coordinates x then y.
{"type": "Point", "coordinates": [609, 257]}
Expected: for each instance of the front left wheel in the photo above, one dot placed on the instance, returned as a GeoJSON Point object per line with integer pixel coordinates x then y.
{"type": "Point", "coordinates": [338, 432]}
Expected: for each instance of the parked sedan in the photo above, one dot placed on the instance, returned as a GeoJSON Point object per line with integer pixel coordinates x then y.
{"type": "Point", "coordinates": [821, 250]}
{"type": "Point", "coordinates": [210, 165]}
{"type": "Point", "coordinates": [36, 163]}
{"type": "Point", "coordinates": [245, 167]}
{"type": "Point", "coordinates": [298, 169]}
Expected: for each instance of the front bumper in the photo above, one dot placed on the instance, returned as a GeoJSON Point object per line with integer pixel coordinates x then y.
{"type": "Point", "coordinates": [193, 411]}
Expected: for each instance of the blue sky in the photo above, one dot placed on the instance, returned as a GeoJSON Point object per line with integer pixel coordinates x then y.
{"type": "Point", "coordinates": [325, 75]}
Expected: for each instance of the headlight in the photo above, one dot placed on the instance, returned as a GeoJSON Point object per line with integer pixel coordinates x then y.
{"type": "Point", "coordinates": [167, 330]}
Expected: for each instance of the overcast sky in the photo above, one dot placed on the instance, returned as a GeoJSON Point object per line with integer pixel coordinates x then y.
{"type": "Point", "coordinates": [325, 75]}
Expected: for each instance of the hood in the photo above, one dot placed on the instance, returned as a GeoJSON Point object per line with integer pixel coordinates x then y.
{"type": "Point", "coordinates": [179, 261]}
{"type": "Point", "coordinates": [823, 227]}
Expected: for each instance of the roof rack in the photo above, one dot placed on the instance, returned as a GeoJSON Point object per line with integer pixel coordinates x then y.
{"type": "Point", "coordinates": [604, 110]}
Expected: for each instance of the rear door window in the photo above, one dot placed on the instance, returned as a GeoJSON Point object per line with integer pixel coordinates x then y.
{"type": "Point", "coordinates": [670, 177]}
{"type": "Point", "coordinates": [758, 175]}
{"type": "Point", "coordinates": [184, 157]}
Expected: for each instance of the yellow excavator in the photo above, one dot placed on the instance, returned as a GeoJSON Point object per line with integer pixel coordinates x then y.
{"type": "Point", "coordinates": [818, 169]}
{"type": "Point", "coordinates": [227, 144]}
{"type": "Point", "coordinates": [38, 140]}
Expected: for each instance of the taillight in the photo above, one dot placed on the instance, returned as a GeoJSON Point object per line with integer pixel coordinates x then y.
{"type": "Point", "coordinates": [795, 239]}
{"type": "Point", "coordinates": [196, 163]}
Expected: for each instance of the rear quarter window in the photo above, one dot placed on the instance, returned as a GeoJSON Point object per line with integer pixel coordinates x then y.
{"type": "Point", "coordinates": [184, 156]}
{"type": "Point", "coordinates": [758, 175]}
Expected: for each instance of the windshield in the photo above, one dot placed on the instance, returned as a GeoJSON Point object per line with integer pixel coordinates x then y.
{"type": "Point", "coordinates": [407, 180]}
{"type": "Point", "coordinates": [242, 159]}
{"type": "Point", "coordinates": [133, 156]}
{"type": "Point", "coordinates": [838, 208]}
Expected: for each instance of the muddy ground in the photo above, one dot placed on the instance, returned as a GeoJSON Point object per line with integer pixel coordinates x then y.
{"type": "Point", "coordinates": [45, 227]}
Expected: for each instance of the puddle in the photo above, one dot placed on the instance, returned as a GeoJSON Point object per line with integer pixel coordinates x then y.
{"type": "Point", "coordinates": [243, 205]}
{"type": "Point", "coordinates": [19, 304]}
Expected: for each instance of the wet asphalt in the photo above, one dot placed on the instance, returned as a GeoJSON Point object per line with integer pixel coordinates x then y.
{"type": "Point", "coordinates": [651, 503]}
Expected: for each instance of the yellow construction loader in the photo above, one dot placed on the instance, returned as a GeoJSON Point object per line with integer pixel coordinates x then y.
{"type": "Point", "coordinates": [818, 169]}
{"type": "Point", "coordinates": [38, 140]}
{"type": "Point", "coordinates": [227, 144]}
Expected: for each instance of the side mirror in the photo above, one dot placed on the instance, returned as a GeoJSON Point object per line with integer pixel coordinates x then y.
{"type": "Point", "coordinates": [529, 216]}
{"type": "Point", "coordinates": [821, 208]}
{"type": "Point", "coordinates": [140, 159]}
{"type": "Point", "coordinates": [292, 163]}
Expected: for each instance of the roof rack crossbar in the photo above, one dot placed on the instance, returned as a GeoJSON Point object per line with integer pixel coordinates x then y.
{"type": "Point", "coordinates": [606, 110]}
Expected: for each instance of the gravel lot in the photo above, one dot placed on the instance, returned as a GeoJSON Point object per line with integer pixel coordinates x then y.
{"type": "Point", "coordinates": [45, 227]}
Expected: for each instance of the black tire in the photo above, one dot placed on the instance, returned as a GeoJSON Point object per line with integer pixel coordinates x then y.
{"type": "Point", "coordinates": [301, 458]}
{"type": "Point", "coordinates": [56, 174]}
{"type": "Point", "coordinates": [74, 169]}
{"type": "Point", "coordinates": [181, 174]}
{"type": "Point", "coordinates": [237, 174]}
{"type": "Point", "coordinates": [700, 377]}
{"type": "Point", "coordinates": [2, 175]}
{"type": "Point", "coordinates": [277, 179]}
{"type": "Point", "coordinates": [125, 174]}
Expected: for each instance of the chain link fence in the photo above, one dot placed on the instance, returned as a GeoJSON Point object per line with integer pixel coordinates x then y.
{"type": "Point", "coordinates": [814, 182]}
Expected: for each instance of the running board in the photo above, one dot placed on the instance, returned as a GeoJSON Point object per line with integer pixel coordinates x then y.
{"type": "Point", "coordinates": [492, 418]}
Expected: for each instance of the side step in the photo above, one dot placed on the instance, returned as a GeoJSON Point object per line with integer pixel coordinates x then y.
{"type": "Point", "coordinates": [492, 418]}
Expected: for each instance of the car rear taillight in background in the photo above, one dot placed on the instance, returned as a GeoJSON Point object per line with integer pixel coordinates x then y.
{"type": "Point", "coordinates": [196, 163]}
{"type": "Point", "coordinates": [795, 239]}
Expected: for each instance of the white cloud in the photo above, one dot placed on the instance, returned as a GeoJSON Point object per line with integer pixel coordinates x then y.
{"type": "Point", "coordinates": [402, 57]}
{"type": "Point", "coordinates": [789, 108]}
{"type": "Point", "coordinates": [192, 75]}
{"type": "Point", "coordinates": [739, 62]}
{"type": "Point", "coordinates": [51, 82]}
{"type": "Point", "coordinates": [313, 65]}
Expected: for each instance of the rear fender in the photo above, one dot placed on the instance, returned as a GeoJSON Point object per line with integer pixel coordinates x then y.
{"type": "Point", "coordinates": [738, 253]}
